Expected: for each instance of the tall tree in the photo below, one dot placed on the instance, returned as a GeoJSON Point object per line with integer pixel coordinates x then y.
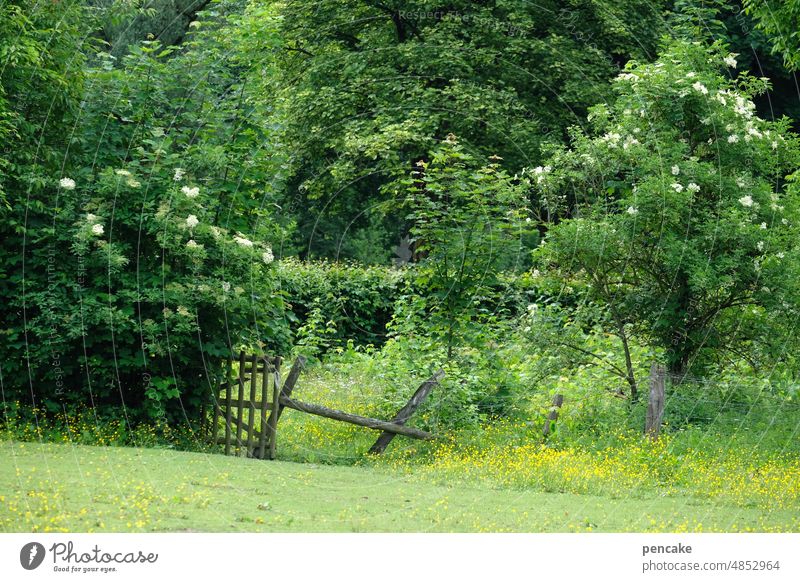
{"type": "Point", "coordinates": [364, 89]}
{"type": "Point", "coordinates": [674, 211]}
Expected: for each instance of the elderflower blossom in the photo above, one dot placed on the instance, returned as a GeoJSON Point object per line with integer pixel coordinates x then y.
{"type": "Point", "coordinates": [179, 173]}
{"type": "Point", "coordinates": [97, 229]}
{"type": "Point", "coordinates": [700, 88]}
{"type": "Point", "coordinates": [692, 187]}
{"type": "Point", "coordinates": [191, 221]}
{"type": "Point", "coordinates": [730, 61]}
{"type": "Point", "coordinates": [630, 141]}
{"type": "Point", "coordinates": [192, 244]}
{"type": "Point", "coordinates": [632, 210]}
{"type": "Point", "coordinates": [540, 172]}
{"type": "Point", "coordinates": [134, 183]}
{"type": "Point", "coordinates": [746, 201]}
{"type": "Point", "coordinates": [190, 192]}
{"type": "Point", "coordinates": [676, 170]}
{"type": "Point", "coordinates": [67, 183]}
{"type": "Point", "coordinates": [226, 286]}
{"type": "Point", "coordinates": [760, 245]}
{"type": "Point", "coordinates": [733, 138]}
{"type": "Point", "coordinates": [677, 187]}
{"type": "Point", "coordinates": [122, 172]}
{"type": "Point", "coordinates": [267, 256]}
{"type": "Point", "coordinates": [242, 241]}
{"type": "Point", "coordinates": [763, 226]}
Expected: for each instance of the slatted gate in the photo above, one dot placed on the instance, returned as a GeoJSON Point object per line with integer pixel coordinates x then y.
{"type": "Point", "coordinates": [251, 388]}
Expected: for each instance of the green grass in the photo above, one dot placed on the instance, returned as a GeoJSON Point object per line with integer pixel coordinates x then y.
{"type": "Point", "coordinates": [51, 487]}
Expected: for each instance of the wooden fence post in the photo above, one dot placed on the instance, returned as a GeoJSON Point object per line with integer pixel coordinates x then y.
{"type": "Point", "coordinates": [272, 423]}
{"type": "Point", "coordinates": [251, 415]}
{"type": "Point", "coordinates": [240, 403]}
{"type": "Point", "coordinates": [228, 388]}
{"type": "Point", "coordinates": [262, 439]}
{"type": "Point", "coordinates": [655, 403]}
{"type": "Point", "coordinates": [288, 386]}
{"type": "Point", "coordinates": [558, 400]}
{"type": "Point", "coordinates": [407, 411]}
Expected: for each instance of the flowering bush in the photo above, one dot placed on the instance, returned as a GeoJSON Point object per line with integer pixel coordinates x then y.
{"type": "Point", "coordinates": [674, 209]}
{"type": "Point", "coordinates": [139, 260]}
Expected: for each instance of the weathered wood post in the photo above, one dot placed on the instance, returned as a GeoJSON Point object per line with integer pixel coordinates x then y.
{"type": "Point", "coordinates": [262, 433]}
{"type": "Point", "coordinates": [251, 408]}
{"type": "Point", "coordinates": [655, 403]}
{"type": "Point", "coordinates": [228, 388]}
{"type": "Point", "coordinates": [558, 400]}
{"type": "Point", "coordinates": [240, 403]}
{"type": "Point", "coordinates": [407, 411]}
{"type": "Point", "coordinates": [272, 423]}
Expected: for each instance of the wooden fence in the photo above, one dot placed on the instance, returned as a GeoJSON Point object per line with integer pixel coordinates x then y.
{"type": "Point", "coordinates": [252, 388]}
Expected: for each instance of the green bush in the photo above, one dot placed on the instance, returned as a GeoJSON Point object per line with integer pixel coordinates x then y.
{"type": "Point", "coordinates": [333, 303]}
{"type": "Point", "coordinates": [145, 254]}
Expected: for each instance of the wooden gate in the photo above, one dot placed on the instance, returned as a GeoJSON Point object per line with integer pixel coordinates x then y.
{"type": "Point", "coordinates": [250, 389]}
{"type": "Point", "coordinates": [248, 403]}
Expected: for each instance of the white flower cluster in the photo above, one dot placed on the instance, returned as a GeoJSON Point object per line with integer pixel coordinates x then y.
{"type": "Point", "coordinates": [540, 172]}
{"type": "Point", "coordinates": [67, 183]}
{"type": "Point", "coordinates": [267, 256]}
{"type": "Point", "coordinates": [191, 221]}
{"type": "Point", "coordinates": [97, 228]}
{"type": "Point", "coordinates": [191, 192]}
{"type": "Point", "coordinates": [612, 139]}
{"type": "Point", "coordinates": [242, 241]}
{"type": "Point", "coordinates": [179, 174]}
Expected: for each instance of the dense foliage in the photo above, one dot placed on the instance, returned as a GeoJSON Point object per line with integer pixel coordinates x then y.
{"type": "Point", "coordinates": [676, 212]}
{"type": "Point", "coordinates": [540, 198]}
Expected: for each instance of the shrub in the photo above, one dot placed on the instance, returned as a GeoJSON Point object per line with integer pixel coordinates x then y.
{"type": "Point", "coordinates": [333, 303]}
